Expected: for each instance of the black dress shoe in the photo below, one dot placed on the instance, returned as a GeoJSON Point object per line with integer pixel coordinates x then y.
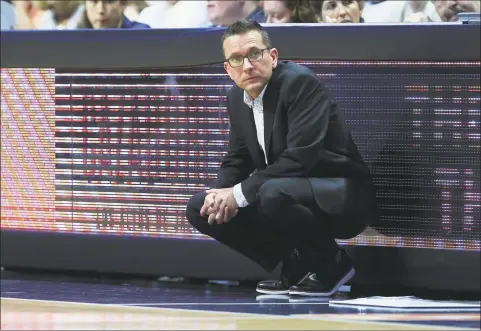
{"type": "Point", "coordinates": [293, 269]}
{"type": "Point", "coordinates": [276, 286]}
{"type": "Point", "coordinates": [326, 282]}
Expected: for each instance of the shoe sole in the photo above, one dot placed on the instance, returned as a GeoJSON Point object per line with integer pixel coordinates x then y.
{"type": "Point", "coordinates": [271, 291]}
{"type": "Point", "coordinates": [343, 281]}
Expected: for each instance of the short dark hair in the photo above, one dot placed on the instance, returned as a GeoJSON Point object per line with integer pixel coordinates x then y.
{"type": "Point", "coordinates": [302, 11]}
{"type": "Point", "coordinates": [244, 26]}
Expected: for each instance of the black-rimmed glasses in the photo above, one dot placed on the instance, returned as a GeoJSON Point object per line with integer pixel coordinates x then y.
{"type": "Point", "coordinates": [254, 55]}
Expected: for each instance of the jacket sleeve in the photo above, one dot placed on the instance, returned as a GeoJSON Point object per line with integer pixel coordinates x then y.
{"type": "Point", "coordinates": [308, 110]}
{"type": "Point", "coordinates": [237, 164]}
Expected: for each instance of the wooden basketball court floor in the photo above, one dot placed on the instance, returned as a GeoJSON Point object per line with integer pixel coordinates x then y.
{"type": "Point", "coordinates": [97, 304]}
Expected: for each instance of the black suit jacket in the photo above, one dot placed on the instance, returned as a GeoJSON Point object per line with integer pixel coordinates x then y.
{"type": "Point", "coordinates": [305, 136]}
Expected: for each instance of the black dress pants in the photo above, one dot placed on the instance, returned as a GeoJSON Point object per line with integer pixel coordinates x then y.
{"type": "Point", "coordinates": [285, 217]}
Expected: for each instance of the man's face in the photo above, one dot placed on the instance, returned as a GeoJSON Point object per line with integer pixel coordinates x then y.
{"type": "Point", "coordinates": [224, 12]}
{"type": "Point", "coordinates": [341, 11]}
{"type": "Point", "coordinates": [277, 12]}
{"type": "Point", "coordinates": [449, 9]}
{"type": "Point", "coordinates": [104, 14]}
{"type": "Point", "coordinates": [251, 76]}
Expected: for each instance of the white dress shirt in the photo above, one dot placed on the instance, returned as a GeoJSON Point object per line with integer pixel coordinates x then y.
{"type": "Point", "coordinates": [257, 107]}
{"type": "Point", "coordinates": [394, 11]}
{"type": "Point", "coordinates": [183, 14]}
{"type": "Point", "coordinates": [47, 20]}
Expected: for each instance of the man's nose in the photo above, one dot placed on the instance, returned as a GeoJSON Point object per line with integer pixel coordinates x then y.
{"type": "Point", "coordinates": [247, 64]}
{"type": "Point", "coordinates": [100, 6]}
{"type": "Point", "coordinates": [342, 10]}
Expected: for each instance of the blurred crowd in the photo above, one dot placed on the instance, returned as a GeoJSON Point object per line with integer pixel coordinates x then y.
{"type": "Point", "coordinates": [133, 14]}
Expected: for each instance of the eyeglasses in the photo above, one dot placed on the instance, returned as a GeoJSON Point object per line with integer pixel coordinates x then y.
{"type": "Point", "coordinates": [254, 55]}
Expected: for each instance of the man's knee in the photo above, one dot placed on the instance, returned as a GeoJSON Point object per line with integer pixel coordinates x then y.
{"type": "Point", "coordinates": [193, 207]}
{"type": "Point", "coordinates": [273, 196]}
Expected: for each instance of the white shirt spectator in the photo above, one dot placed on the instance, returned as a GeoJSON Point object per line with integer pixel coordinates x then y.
{"type": "Point", "coordinates": [182, 14]}
{"type": "Point", "coordinates": [394, 11]}
{"type": "Point", "coordinates": [47, 21]}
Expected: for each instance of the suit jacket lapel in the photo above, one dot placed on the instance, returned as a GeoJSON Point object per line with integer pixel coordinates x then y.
{"type": "Point", "coordinates": [251, 136]}
{"type": "Point", "coordinates": [271, 96]}
{"type": "Point", "coordinates": [268, 121]}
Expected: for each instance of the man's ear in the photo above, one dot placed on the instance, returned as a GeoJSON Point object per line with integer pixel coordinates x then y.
{"type": "Point", "coordinates": [274, 53]}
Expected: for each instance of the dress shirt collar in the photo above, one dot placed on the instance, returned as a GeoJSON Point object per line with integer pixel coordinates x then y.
{"type": "Point", "coordinates": [251, 102]}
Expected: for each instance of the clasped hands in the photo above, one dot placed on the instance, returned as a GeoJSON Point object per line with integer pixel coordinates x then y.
{"type": "Point", "coordinates": [220, 205]}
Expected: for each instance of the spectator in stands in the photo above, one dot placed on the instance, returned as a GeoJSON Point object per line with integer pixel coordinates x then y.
{"type": "Point", "coordinates": [175, 14]}
{"type": "Point", "coordinates": [61, 14]}
{"type": "Point", "coordinates": [292, 179]}
{"type": "Point", "coordinates": [416, 11]}
{"type": "Point", "coordinates": [395, 11]}
{"type": "Point", "coordinates": [289, 11]}
{"type": "Point", "coordinates": [449, 9]}
{"type": "Point", "coordinates": [338, 11]}
{"type": "Point", "coordinates": [107, 14]}
{"type": "Point", "coordinates": [29, 13]}
{"type": "Point", "coordinates": [226, 12]}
